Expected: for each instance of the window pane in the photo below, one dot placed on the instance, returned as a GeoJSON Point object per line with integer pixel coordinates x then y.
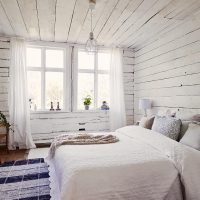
{"type": "Point", "coordinates": [34, 88]}
{"type": "Point", "coordinates": [33, 57]}
{"type": "Point", "coordinates": [85, 87]}
{"type": "Point", "coordinates": [85, 60]}
{"type": "Point", "coordinates": [54, 58]}
{"type": "Point", "coordinates": [54, 89]}
{"type": "Point", "coordinates": [103, 89]}
{"type": "Point", "coordinates": [103, 61]}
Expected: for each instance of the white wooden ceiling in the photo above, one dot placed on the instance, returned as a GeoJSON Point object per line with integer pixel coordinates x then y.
{"type": "Point", "coordinates": [126, 23]}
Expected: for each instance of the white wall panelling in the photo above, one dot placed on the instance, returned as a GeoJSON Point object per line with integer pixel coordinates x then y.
{"type": "Point", "coordinates": [167, 69]}
{"type": "Point", "coordinates": [4, 73]}
{"type": "Point", "coordinates": [128, 73]}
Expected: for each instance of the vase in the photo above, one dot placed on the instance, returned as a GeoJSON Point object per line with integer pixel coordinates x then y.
{"type": "Point", "coordinates": [86, 107]}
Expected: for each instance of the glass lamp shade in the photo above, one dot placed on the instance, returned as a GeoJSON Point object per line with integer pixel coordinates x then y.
{"type": "Point", "coordinates": [144, 104]}
{"type": "Point", "coordinates": [91, 45]}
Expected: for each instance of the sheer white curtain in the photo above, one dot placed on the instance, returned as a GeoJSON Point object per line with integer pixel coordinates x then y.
{"type": "Point", "coordinates": [117, 105]}
{"type": "Point", "coordinates": [18, 102]}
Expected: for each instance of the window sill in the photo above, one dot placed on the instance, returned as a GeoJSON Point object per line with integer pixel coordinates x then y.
{"type": "Point", "coordinates": [64, 111]}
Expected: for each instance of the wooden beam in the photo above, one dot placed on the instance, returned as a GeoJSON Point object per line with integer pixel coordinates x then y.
{"type": "Point", "coordinates": [150, 14]}
{"type": "Point", "coordinates": [29, 15]}
{"type": "Point", "coordinates": [78, 18]}
{"type": "Point", "coordinates": [64, 13]}
{"type": "Point", "coordinates": [6, 25]}
{"type": "Point", "coordinates": [118, 11]}
{"type": "Point", "coordinates": [122, 31]}
{"type": "Point", "coordinates": [107, 12]}
{"type": "Point", "coordinates": [13, 13]}
{"type": "Point", "coordinates": [152, 36]}
{"type": "Point", "coordinates": [46, 18]}
{"type": "Point", "coordinates": [127, 13]}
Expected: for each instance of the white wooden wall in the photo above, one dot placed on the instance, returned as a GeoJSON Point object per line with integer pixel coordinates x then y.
{"type": "Point", "coordinates": [128, 71]}
{"type": "Point", "coordinates": [167, 69]}
{"type": "Point", "coordinates": [4, 73]}
{"type": "Point", "coordinates": [47, 125]}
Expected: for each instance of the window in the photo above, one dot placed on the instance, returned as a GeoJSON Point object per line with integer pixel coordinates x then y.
{"type": "Point", "coordinates": [50, 77]}
{"type": "Point", "coordinates": [93, 78]}
{"type": "Point", "coordinates": [46, 77]}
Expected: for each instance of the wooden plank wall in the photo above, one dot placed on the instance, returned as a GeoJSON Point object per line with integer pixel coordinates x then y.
{"type": "Point", "coordinates": [4, 73]}
{"type": "Point", "coordinates": [167, 69]}
{"type": "Point", "coordinates": [128, 73]}
{"type": "Point", "coordinates": [47, 125]}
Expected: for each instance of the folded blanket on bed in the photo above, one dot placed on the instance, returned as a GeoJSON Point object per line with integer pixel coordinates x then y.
{"type": "Point", "coordinates": [80, 139]}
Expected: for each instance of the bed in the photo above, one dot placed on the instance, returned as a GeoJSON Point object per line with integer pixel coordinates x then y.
{"type": "Point", "coordinates": [142, 165]}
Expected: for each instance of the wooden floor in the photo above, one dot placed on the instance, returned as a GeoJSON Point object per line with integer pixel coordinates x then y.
{"type": "Point", "coordinates": [13, 155]}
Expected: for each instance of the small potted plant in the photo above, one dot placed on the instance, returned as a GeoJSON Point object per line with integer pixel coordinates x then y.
{"type": "Point", "coordinates": [4, 124]}
{"type": "Point", "coordinates": [87, 101]}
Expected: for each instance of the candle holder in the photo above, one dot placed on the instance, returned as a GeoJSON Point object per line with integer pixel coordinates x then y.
{"type": "Point", "coordinates": [51, 109]}
{"type": "Point", "coordinates": [58, 106]}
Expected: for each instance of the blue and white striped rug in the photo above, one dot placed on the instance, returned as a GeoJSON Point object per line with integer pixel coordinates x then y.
{"type": "Point", "coordinates": [24, 180]}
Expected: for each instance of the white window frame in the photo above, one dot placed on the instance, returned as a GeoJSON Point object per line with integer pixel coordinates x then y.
{"type": "Point", "coordinates": [66, 75]}
{"type": "Point", "coordinates": [96, 72]}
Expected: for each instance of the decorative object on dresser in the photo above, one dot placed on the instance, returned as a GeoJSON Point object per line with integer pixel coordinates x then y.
{"type": "Point", "coordinates": [87, 101]}
{"type": "Point", "coordinates": [4, 129]}
{"type": "Point", "coordinates": [104, 106]}
{"type": "Point", "coordinates": [51, 109]}
{"type": "Point", "coordinates": [145, 104]}
{"type": "Point", "coordinates": [58, 106]}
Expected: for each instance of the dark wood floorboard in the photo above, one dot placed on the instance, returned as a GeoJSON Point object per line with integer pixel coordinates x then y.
{"type": "Point", "coordinates": [13, 155]}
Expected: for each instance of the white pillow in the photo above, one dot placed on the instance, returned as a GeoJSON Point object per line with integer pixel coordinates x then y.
{"type": "Point", "coordinates": [192, 136]}
{"type": "Point", "coordinates": [184, 127]}
{"type": "Point", "coordinates": [168, 126]}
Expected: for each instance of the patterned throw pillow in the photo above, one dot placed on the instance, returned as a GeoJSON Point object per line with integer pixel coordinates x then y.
{"type": "Point", "coordinates": [168, 126]}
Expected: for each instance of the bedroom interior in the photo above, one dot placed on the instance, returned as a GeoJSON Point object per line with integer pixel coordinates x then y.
{"type": "Point", "coordinates": [99, 99]}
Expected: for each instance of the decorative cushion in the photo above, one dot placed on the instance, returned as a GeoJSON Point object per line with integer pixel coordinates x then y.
{"type": "Point", "coordinates": [184, 127]}
{"type": "Point", "coordinates": [168, 126]}
{"type": "Point", "coordinates": [196, 118]}
{"type": "Point", "coordinates": [192, 136]}
{"type": "Point", "coordinates": [146, 122]}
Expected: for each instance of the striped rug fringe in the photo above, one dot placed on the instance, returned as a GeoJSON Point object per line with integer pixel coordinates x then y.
{"type": "Point", "coordinates": [24, 180]}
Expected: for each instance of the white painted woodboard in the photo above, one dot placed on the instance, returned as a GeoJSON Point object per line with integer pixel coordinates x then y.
{"type": "Point", "coordinates": [167, 70]}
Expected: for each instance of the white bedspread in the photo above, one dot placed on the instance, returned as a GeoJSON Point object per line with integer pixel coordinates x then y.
{"type": "Point", "coordinates": [142, 165]}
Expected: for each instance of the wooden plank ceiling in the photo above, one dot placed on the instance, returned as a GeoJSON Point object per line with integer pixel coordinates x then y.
{"type": "Point", "coordinates": [125, 23]}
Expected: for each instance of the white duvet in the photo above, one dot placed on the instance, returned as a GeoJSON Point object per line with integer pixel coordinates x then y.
{"type": "Point", "coordinates": [143, 165]}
